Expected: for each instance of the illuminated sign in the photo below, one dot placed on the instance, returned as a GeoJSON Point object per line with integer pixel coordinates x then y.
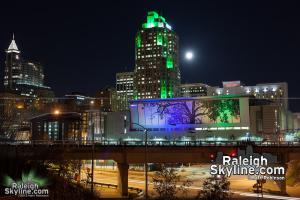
{"type": "Point", "coordinates": [230, 84]}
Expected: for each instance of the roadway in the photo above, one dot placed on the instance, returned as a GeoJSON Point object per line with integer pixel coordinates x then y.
{"type": "Point", "coordinates": [125, 153]}
{"type": "Point", "coordinates": [239, 185]}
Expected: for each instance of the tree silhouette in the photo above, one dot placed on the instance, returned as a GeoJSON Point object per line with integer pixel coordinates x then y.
{"type": "Point", "coordinates": [192, 111]}
{"type": "Point", "coordinates": [165, 183]}
{"type": "Point", "coordinates": [215, 188]}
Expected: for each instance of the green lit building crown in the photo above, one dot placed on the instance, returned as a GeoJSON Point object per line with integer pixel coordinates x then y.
{"type": "Point", "coordinates": [155, 20]}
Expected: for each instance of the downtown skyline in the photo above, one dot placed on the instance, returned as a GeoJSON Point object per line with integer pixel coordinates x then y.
{"type": "Point", "coordinates": [260, 46]}
{"type": "Point", "coordinates": [143, 99]}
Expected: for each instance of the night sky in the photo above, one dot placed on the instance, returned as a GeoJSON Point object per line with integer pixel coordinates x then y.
{"type": "Point", "coordinates": [82, 45]}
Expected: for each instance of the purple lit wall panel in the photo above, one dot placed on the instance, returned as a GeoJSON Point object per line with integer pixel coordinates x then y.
{"type": "Point", "coordinates": [163, 114]}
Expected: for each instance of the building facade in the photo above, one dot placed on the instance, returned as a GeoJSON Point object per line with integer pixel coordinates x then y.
{"type": "Point", "coordinates": [57, 126]}
{"type": "Point", "coordinates": [157, 73]}
{"type": "Point", "coordinates": [193, 90]}
{"type": "Point", "coordinates": [124, 89]}
{"type": "Point", "coordinates": [95, 124]}
{"type": "Point", "coordinates": [20, 76]}
{"type": "Point", "coordinates": [14, 114]}
{"type": "Point", "coordinates": [206, 118]}
{"type": "Point", "coordinates": [106, 99]}
{"type": "Point", "coordinates": [277, 92]}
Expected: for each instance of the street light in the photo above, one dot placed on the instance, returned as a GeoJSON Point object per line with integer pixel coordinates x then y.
{"type": "Point", "coordinates": [146, 163]}
{"type": "Point", "coordinates": [56, 112]}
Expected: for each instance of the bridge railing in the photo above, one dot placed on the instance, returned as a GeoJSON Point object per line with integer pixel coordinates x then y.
{"type": "Point", "coordinates": [150, 143]}
{"type": "Point", "coordinates": [109, 185]}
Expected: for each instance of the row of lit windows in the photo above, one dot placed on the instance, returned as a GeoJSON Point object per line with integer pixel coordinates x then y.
{"type": "Point", "coordinates": [148, 78]}
{"type": "Point", "coordinates": [188, 91]}
{"type": "Point", "coordinates": [120, 89]}
{"type": "Point", "coordinates": [124, 83]}
{"type": "Point", "coordinates": [154, 49]}
{"type": "Point", "coordinates": [124, 91]}
{"type": "Point", "coordinates": [145, 82]}
{"type": "Point", "coordinates": [191, 88]}
{"type": "Point", "coordinates": [147, 97]}
{"type": "Point", "coordinates": [151, 67]}
{"type": "Point", "coordinates": [155, 33]}
{"type": "Point", "coordinates": [150, 88]}
{"type": "Point", "coordinates": [256, 90]}
{"type": "Point", "coordinates": [264, 90]}
{"type": "Point", "coordinates": [124, 79]}
{"type": "Point", "coordinates": [150, 56]}
{"type": "Point", "coordinates": [262, 96]}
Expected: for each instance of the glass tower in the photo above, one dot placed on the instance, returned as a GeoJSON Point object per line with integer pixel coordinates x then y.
{"type": "Point", "coordinates": [20, 76]}
{"type": "Point", "coordinates": [157, 73]}
{"type": "Point", "coordinates": [13, 67]}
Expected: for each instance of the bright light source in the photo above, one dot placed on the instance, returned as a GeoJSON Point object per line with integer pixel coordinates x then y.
{"type": "Point", "coordinates": [20, 106]}
{"type": "Point", "coordinates": [56, 112]}
{"type": "Point", "coordinates": [92, 102]}
{"type": "Point", "coordinates": [189, 55]}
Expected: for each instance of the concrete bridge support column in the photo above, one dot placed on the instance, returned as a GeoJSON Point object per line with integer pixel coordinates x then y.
{"type": "Point", "coordinates": [283, 182]}
{"type": "Point", "coordinates": [283, 160]}
{"type": "Point", "coordinates": [123, 178]}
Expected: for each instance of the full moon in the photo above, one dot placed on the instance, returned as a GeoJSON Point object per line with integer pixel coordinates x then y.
{"type": "Point", "coordinates": [189, 55]}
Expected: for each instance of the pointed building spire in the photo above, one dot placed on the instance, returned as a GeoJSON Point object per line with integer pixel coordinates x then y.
{"type": "Point", "coordinates": [13, 46]}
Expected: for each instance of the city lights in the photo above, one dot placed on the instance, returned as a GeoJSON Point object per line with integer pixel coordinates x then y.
{"type": "Point", "coordinates": [111, 129]}
{"type": "Point", "coordinates": [56, 112]}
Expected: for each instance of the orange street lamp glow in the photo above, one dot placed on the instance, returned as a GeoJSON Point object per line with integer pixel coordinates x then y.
{"type": "Point", "coordinates": [56, 112]}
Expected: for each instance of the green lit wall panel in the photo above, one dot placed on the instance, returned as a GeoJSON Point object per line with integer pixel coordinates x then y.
{"type": "Point", "coordinates": [159, 39]}
{"type": "Point", "coordinates": [153, 13]}
{"type": "Point", "coordinates": [163, 90]}
{"type": "Point", "coordinates": [150, 19]}
{"type": "Point", "coordinates": [169, 62]}
{"type": "Point", "coordinates": [138, 40]}
{"type": "Point", "coordinates": [165, 40]}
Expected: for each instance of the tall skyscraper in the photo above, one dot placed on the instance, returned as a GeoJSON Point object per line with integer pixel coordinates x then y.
{"type": "Point", "coordinates": [22, 77]}
{"type": "Point", "coordinates": [157, 73]}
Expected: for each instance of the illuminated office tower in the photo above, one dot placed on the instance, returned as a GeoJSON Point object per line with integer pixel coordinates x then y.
{"type": "Point", "coordinates": [124, 89]}
{"type": "Point", "coordinates": [13, 67]}
{"type": "Point", "coordinates": [157, 73]}
{"type": "Point", "coordinates": [22, 77]}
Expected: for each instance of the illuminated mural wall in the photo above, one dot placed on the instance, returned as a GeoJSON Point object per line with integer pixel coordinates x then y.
{"type": "Point", "coordinates": [188, 113]}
